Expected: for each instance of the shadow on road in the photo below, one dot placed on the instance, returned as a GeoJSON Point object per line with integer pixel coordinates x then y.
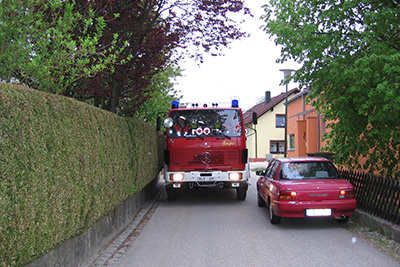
{"type": "Point", "coordinates": [227, 197]}
{"type": "Point", "coordinates": [322, 223]}
{"type": "Point", "coordinates": [204, 196]}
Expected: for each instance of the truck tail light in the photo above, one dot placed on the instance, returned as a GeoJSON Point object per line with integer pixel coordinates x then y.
{"type": "Point", "coordinates": [177, 177]}
{"type": "Point", "coordinates": [287, 195]}
{"type": "Point", "coordinates": [348, 193]}
{"type": "Point", "coordinates": [235, 176]}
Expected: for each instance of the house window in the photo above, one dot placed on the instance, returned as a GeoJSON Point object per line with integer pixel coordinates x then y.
{"type": "Point", "coordinates": [280, 121]}
{"type": "Point", "coordinates": [291, 142]}
{"type": "Point", "coordinates": [277, 147]}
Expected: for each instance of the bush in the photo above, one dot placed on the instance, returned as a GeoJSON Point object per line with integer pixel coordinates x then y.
{"type": "Point", "coordinates": [64, 164]}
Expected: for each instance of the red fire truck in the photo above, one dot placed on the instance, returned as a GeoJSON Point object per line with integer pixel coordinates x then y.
{"type": "Point", "coordinates": [205, 147]}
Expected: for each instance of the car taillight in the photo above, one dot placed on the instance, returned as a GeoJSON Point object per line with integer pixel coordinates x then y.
{"type": "Point", "coordinates": [348, 193]}
{"type": "Point", "coordinates": [287, 195]}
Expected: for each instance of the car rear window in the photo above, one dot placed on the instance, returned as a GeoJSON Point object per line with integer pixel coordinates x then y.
{"type": "Point", "coordinates": [308, 170]}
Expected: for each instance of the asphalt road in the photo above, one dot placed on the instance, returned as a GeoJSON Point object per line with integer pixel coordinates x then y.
{"type": "Point", "coordinates": [212, 228]}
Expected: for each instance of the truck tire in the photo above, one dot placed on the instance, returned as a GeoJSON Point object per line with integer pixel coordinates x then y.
{"type": "Point", "coordinates": [171, 194]}
{"type": "Point", "coordinates": [241, 193]}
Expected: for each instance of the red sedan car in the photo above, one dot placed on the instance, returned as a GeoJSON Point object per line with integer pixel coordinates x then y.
{"type": "Point", "coordinates": [304, 187]}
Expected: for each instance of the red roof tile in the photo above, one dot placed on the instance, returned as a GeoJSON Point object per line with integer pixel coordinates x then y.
{"type": "Point", "coordinates": [262, 107]}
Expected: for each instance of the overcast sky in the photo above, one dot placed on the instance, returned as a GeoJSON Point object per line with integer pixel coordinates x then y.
{"type": "Point", "coordinates": [247, 70]}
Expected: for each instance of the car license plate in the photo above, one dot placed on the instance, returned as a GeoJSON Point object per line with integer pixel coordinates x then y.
{"type": "Point", "coordinates": [318, 212]}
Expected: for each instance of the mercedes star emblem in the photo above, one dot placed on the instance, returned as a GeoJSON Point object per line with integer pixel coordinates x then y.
{"type": "Point", "coordinates": [205, 157]}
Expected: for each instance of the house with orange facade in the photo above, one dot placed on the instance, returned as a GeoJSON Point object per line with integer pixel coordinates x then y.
{"type": "Point", "coordinates": [306, 127]}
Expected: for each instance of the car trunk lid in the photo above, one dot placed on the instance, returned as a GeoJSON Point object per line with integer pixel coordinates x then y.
{"type": "Point", "coordinates": [315, 190]}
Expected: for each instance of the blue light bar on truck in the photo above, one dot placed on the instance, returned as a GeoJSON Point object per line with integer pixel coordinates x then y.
{"type": "Point", "coordinates": [235, 103]}
{"type": "Point", "coordinates": [175, 104]}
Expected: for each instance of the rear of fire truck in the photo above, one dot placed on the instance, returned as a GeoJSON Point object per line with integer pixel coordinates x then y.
{"type": "Point", "coordinates": [205, 147]}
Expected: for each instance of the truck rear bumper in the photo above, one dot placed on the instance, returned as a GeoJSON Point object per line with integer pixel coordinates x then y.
{"type": "Point", "coordinates": [230, 179]}
{"type": "Point", "coordinates": [191, 185]}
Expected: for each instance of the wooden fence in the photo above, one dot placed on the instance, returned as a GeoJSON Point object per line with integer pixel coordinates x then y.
{"type": "Point", "coordinates": [376, 195]}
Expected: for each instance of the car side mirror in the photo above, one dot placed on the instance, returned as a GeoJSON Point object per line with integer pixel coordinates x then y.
{"type": "Point", "coordinates": [260, 173]}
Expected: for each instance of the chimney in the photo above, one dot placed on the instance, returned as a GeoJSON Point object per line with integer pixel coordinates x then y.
{"type": "Point", "coordinates": [267, 97]}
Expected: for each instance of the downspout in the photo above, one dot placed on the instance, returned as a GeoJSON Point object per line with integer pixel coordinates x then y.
{"type": "Point", "coordinates": [304, 106]}
{"type": "Point", "coordinates": [255, 137]}
{"type": "Point", "coordinates": [318, 132]}
{"type": "Point", "coordinates": [255, 129]}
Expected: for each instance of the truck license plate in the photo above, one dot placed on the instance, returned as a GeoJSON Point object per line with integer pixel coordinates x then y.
{"type": "Point", "coordinates": [206, 179]}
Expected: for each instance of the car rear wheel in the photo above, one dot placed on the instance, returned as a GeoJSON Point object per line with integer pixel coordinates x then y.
{"type": "Point", "coordinates": [260, 200]}
{"type": "Point", "coordinates": [272, 217]}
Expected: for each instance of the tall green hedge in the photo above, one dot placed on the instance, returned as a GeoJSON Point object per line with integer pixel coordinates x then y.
{"type": "Point", "coordinates": [64, 164]}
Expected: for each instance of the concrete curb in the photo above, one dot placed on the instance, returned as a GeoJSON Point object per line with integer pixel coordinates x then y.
{"type": "Point", "coordinates": [374, 223]}
{"type": "Point", "coordinates": [80, 249]}
{"type": "Point", "coordinates": [116, 249]}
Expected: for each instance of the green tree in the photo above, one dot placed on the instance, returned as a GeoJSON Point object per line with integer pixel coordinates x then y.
{"type": "Point", "coordinates": [159, 95]}
{"type": "Point", "coordinates": [154, 31]}
{"type": "Point", "coordinates": [107, 52]}
{"type": "Point", "coordinates": [350, 56]}
{"type": "Point", "coordinates": [38, 47]}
